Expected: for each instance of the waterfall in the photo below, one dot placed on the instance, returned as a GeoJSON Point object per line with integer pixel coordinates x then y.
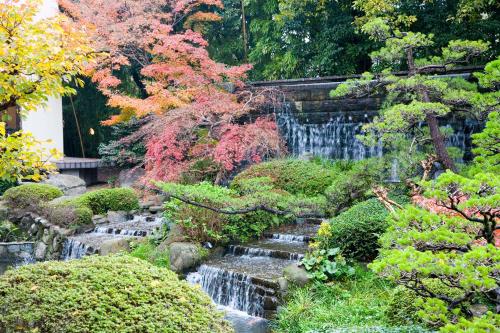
{"type": "Point", "coordinates": [244, 251]}
{"type": "Point", "coordinates": [228, 288]}
{"type": "Point", "coordinates": [335, 139]}
{"type": "Point", "coordinates": [124, 232]}
{"type": "Point", "coordinates": [289, 238]}
{"type": "Point", "coordinates": [73, 249]}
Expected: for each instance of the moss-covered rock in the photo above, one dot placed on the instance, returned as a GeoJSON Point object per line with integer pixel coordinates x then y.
{"type": "Point", "coordinates": [30, 195]}
{"type": "Point", "coordinates": [103, 294]}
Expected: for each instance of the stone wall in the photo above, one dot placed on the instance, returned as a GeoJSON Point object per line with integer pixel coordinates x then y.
{"type": "Point", "coordinates": [16, 252]}
{"type": "Point", "coordinates": [48, 239]}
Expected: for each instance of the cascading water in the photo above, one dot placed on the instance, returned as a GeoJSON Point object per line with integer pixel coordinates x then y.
{"type": "Point", "coordinates": [231, 289]}
{"type": "Point", "coordinates": [237, 250]}
{"type": "Point", "coordinates": [290, 238]}
{"type": "Point", "coordinates": [73, 249]}
{"type": "Point", "coordinates": [334, 139]}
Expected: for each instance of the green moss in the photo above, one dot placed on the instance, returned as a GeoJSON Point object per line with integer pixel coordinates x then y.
{"type": "Point", "coordinates": [114, 199]}
{"type": "Point", "coordinates": [30, 195]}
{"type": "Point", "coordinates": [292, 175]}
{"type": "Point", "coordinates": [103, 294]}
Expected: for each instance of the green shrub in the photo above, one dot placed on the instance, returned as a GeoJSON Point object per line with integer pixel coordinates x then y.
{"type": "Point", "coordinates": [150, 252]}
{"type": "Point", "coordinates": [201, 224]}
{"type": "Point", "coordinates": [67, 214]}
{"type": "Point", "coordinates": [353, 185]}
{"type": "Point", "coordinates": [5, 185]}
{"type": "Point", "coordinates": [31, 195]}
{"type": "Point", "coordinates": [402, 309]}
{"type": "Point", "coordinates": [292, 175]}
{"type": "Point", "coordinates": [114, 199]}
{"type": "Point", "coordinates": [103, 294]}
{"type": "Point", "coordinates": [9, 232]}
{"type": "Point", "coordinates": [357, 230]}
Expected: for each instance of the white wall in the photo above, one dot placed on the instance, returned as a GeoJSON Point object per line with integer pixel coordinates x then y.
{"type": "Point", "coordinates": [47, 123]}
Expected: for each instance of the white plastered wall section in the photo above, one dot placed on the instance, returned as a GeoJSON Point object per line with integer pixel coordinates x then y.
{"type": "Point", "coordinates": [47, 122]}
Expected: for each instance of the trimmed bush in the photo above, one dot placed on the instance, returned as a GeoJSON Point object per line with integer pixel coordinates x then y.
{"type": "Point", "coordinates": [103, 294]}
{"type": "Point", "coordinates": [292, 175]}
{"type": "Point", "coordinates": [68, 215]}
{"type": "Point", "coordinates": [114, 199]}
{"type": "Point", "coordinates": [31, 195]}
{"type": "Point", "coordinates": [357, 230]}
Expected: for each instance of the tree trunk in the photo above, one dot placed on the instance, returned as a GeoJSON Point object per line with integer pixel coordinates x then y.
{"type": "Point", "coordinates": [439, 143]}
{"type": "Point", "coordinates": [244, 30]}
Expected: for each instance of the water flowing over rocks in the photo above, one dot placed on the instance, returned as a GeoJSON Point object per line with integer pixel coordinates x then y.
{"type": "Point", "coordinates": [246, 278]}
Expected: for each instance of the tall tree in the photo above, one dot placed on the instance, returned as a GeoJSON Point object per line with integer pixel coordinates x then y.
{"type": "Point", "coordinates": [197, 118]}
{"type": "Point", "coordinates": [416, 97]}
{"type": "Point", "coordinates": [38, 57]}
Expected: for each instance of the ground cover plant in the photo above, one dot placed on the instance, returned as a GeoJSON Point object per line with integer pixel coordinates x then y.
{"type": "Point", "coordinates": [354, 304]}
{"type": "Point", "coordinates": [86, 296]}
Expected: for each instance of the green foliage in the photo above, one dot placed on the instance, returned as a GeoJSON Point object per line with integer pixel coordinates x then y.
{"type": "Point", "coordinates": [356, 304]}
{"type": "Point", "coordinates": [291, 175]}
{"type": "Point", "coordinates": [149, 252]}
{"type": "Point", "coordinates": [420, 246]}
{"type": "Point", "coordinates": [30, 195]}
{"type": "Point", "coordinates": [357, 230]}
{"type": "Point", "coordinates": [114, 199]}
{"type": "Point", "coordinates": [103, 294]}
{"type": "Point", "coordinates": [67, 214]}
{"type": "Point", "coordinates": [126, 149]}
{"type": "Point", "coordinates": [354, 185]}
{"type": "Point", "coordinates": [324, 265]}
{"type": "Point", "coordinates": [202, 224]}
{"type": "Point", "coordinates": [487, 144]}
{"type": "Point", "coordinates": [401, 309]}
{"type": "Point", "coordinates": [9, 232]}
{"type": "Point", "coordinates": [487, 323]}
{"type": "Point", "coordinates": [5, 185]}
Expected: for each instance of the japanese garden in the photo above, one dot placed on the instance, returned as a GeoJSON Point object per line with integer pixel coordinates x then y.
{"type": "Point", "coordinates": [249, 166]}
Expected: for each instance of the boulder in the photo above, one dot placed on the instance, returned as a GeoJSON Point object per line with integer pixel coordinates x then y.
{"type": "Point", "coordinates": [175, 234]}
{"type": "Point", "coordinates": [128, 177]}
{"type": "Point", "coordinates": [114, 246]}
{"type": "Point", "coordinates": [296, 275]}
{"type": "Point", "coordinates": [184, 256]}
{"type": "Point", "coordinates": [70, 185]}
{"type": "Point", "coordinates": [117, 217]}
{"type": "Point", "coordinates": [40, 251]}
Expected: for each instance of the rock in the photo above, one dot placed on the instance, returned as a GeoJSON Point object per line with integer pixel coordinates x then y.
{"type": "Point", "coordinates": [478, 310]}
{"type": "Point", "coordinates": [40, 251]}
{"type": "Point", "coordinates": [296, 275]}
{"type": "Point", "coordinates": [155, 209]}
{"type": "Point", "coordinates": [70, 185]}
{"type": "Point", "coordinates": [117, 217]}
{"type": "Point", "coordinates": [128, 177]}
{"type": "Point", "coordinates": [175, 234]}
{"type": "Point", "coordinates": [99, 219]}
{"type": "Point", "coordinates": [283, 283]}
{"type": "Point", "coordinates": [184, 256]}
{"type": "Point", "coordinates": [114, 246]}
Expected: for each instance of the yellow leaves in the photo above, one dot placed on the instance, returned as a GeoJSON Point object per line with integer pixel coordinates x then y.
{"type": "Point", "coordinates": [2, 129]}
{"type": "Point", "coordinates": [38, 55]}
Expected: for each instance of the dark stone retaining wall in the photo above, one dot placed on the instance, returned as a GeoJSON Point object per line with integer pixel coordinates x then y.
{"type": "Point", "coordinates": [16, 252]}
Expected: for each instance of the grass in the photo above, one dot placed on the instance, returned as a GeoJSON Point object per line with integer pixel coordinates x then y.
{"type": "Point", "coordinates": [356, 303]}
{"type": "Point", "coordinates": [149, 252]}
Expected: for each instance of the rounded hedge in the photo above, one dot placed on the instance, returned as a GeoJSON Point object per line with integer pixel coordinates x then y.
{"type": "Point", "coordinates": [103, 294]}
{"type": "Point", "coordinates": [357, 230]}
{"type": "Point", "coordinates": [113, 199]}
{"type": "Point", "coordinates": [31, 195]}
{"type": "Point", "coordinates": [292, 175]}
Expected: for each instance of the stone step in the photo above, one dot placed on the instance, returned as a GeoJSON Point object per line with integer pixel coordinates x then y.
{"type": "Point", "coordinates": [274, 248]}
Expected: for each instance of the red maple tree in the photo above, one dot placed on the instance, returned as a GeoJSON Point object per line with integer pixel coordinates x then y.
{"type": "Point", "coordinates": [156, 42]}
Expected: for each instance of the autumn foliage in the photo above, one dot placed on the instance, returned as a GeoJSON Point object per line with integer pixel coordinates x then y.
{"type": "Point", "coordinates": [197, 118]}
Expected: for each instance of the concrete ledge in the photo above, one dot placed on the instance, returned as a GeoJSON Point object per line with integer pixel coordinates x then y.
{"type": "Point", "coordinates": [78, 163]}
